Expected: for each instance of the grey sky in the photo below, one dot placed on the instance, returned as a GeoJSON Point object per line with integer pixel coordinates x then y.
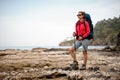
{"type": "Point", "coordinates": [47, 22]}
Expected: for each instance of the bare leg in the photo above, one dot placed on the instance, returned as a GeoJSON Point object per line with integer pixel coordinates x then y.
{"type": "Point", "coordinates": [72, 52]}
{"type": "Point", "coordinates": [85, 57]}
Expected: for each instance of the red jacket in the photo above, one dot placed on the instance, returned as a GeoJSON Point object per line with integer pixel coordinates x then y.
{"type": "Point", "coordinates": [82, 30]}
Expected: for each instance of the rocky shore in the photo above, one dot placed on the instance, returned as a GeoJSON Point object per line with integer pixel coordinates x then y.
{"type": "Point", "coordinates": [53, 64]}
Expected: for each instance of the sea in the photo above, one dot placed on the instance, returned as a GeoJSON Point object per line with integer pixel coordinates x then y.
{"type": "Point", "coordinates": [49, 47]}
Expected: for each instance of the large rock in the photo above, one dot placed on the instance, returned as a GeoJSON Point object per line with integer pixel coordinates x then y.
{"type": "Point", "coordinates": [117, 47]}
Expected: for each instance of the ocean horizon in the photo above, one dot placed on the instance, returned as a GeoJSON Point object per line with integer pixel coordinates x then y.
{"type": "Point", "coordinates": [49, 47]}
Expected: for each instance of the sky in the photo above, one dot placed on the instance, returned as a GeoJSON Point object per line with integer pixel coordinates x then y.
{"type": "Point", "coordinates": [48, 22]}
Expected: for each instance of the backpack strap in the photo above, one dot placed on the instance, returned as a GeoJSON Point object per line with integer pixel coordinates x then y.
{"type": "Point", "coordinates": [84, 24]}
{"type": "Point", "coordinates": [89, 36]}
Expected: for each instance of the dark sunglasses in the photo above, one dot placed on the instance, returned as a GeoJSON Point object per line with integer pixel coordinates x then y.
{"type": "Point", "coordinates": [79, 15]}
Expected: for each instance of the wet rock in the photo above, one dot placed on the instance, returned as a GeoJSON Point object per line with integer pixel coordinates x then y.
{"type": "Point", "coordinates": [94, 68]}
{"type": "Point", "coordinates": [66, 68]}
{"type": "Point", "coordinates": [13, 73]}
{"type": "Point", "coordinates": [107, 48]}
{"type": "Point", "coordinates": [74, 76]}
{"type": "Point", "coordinates": [28, 69]}
{"type": "Point", "coordinates": [38, 49]}
{"type": "Point", "coordinates": [3, 75]}
{"type": "Point", "coordinates": [55, 49]}
{"type": "Point", "coordinates": [51, 74]}
{"type": "Point", "coordinates": [46, 68]}
{"type": "Point", "coordinates": [115, 70]}
{"type": "Point", "coordinates": [8, 52]}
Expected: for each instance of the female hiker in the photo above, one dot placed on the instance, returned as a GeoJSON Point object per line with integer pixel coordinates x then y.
{"type": "Point", "coordinates": [82, 30]}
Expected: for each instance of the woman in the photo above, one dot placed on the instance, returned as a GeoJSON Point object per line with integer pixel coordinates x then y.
{"type": "Point", "coordinates": [82, 31]}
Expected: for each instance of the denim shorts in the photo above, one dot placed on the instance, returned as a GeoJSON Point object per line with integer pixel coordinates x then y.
{"type": "Point", "coordinates": [84, 43]}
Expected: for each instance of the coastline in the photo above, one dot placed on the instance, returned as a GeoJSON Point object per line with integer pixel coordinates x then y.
{"type": "Point", "coordinates": [48, 47]}
{"type": "Point", "coordinates": [49, 63]}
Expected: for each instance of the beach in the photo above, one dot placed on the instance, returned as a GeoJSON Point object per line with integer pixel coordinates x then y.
{"type": "Point", "coordinates": [53, 64]}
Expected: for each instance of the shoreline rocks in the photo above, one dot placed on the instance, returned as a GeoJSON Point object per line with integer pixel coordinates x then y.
{"type": "Point", "coordinates": [53, 64]}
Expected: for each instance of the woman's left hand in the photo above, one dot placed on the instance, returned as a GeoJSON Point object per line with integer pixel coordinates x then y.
{"type": "Point", "coordinates": [80, 38]}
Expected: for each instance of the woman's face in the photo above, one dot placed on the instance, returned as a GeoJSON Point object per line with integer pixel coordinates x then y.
{"type": "Point", "coordinates": [80, 16]}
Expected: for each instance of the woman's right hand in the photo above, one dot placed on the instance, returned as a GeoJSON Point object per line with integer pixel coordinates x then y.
{"type": "Point", "coordinates": [74, 34]}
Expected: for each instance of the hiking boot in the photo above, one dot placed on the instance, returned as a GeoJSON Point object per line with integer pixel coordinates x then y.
{"type": "Point", "coordinates": [74, 66]}
{"type": "Point", "coordinates": [74, 63]}
{"type": "Point", "coordinates": [83, 67]}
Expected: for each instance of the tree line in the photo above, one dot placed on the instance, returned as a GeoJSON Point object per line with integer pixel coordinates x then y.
{"type": "Point", "coordinates": [106, 31]}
